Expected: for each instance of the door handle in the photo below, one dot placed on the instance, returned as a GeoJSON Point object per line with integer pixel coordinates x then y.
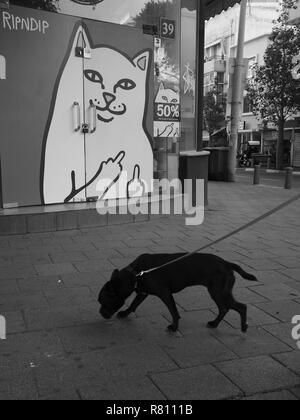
{"type": "Point", "coordinates": [93, 118]}
{"type": "Point", "coordinates": [76, 117]}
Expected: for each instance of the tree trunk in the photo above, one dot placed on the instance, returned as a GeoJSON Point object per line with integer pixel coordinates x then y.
{"type": "Point", "coordinates": [280, 144]}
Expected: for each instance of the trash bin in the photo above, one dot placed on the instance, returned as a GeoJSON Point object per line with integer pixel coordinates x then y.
{"type": "Point", "coordinates": [218, 163]}
{"type": "Point", "coordinates": [194, 165]}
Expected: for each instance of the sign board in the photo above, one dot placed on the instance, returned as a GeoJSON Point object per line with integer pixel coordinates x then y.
{"type": "Point", "coordinates": [167, 28]}
{"type": "Point", "coordinates": [166, 112]}
{"type": "Point", "coordinates": [150, 30]}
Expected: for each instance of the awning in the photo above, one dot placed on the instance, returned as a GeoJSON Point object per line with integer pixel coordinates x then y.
{"type": "Point", "coordinates": [212, 7]}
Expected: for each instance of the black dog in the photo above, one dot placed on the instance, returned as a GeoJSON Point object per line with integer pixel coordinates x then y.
{"type": "Point", "coordinates": [199, 269]}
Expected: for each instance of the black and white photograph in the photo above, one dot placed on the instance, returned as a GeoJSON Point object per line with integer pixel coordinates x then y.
{"type": "Point", "coordinates": [149, 203]}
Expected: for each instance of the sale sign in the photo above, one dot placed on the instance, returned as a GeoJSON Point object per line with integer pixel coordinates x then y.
{"type": "Point", "coordinates": [167, 112]}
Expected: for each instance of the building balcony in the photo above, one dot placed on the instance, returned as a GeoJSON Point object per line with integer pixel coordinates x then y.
{"type": "Point", "coordinates": [215, 64]}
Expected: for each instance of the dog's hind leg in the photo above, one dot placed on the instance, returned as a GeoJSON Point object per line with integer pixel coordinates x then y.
{"type": "Point", "coordinates": [242, 310]}
{"type": "Point", "coordinates": [223, 310]}
{"type": "Point", "coordinates": [169, 301]}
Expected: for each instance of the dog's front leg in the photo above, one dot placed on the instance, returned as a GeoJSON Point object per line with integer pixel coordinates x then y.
{"type": "Point", "coordinates": [139, 299]}
{"type": "Point", "coordinates": [169, 301]}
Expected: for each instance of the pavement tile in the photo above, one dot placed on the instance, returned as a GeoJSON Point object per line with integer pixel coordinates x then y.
{"type": "Point", "coordinates": [54, 269]}
{"type": "Point", "coordinates": [283, 310]}
{"type": "Point", "coordinates": [17, 271]}
{"type": "Point", "coordinates": [14, 322]}
{"type": "Point", "coordinates": [84, 279]}
{"type": "Point", "coordinates": [197, 383]}
{"type": "Point", "coordinates": [296, 392]}
{"type": "Point", "coordinates": [60, 317]}
{"type": "Point", "coordinates": [247, 295]}
{"type": "Point", "coordinates": [255, 343]}
{"type": "Point", "coordinates": [75, 256]}
{"type": "Point", "coordinates": [276, 292]}
{"type": "Point", "coordinates": [293, 273]}
{"type": "Point", "coordinates": [22, 301]}
{"type": "Point", "coordinates": [291, 360]}
{"type": "Point", "coordinates": [256, 317]}
{"type": "Point", "coordinates": [137, 389]}
{"type": "Point", "coordinates": [99, 336]}
{"type": "Point", "coordinates": [189, 352]}
{"type": "Point", "coordinates": [264, 264]}
{"type": "Point", "coordinates": [135, 359]}
{"type": "Point", "coordinates": [62, 395]}
{"type": "Point", "coordinates": [103, 254]}
{"type": "Point", "coordinates": [93, 265]}
{"type": "Point", "coordinates": [282, 331]}
{"type": "Point", "coordinates": [39, 283]}
{"type": "Point", "coordinates": [76, 296]}
{"type": "Point", "coordinates": [67, 373]}
{"type": "Point", "coordinates": [258, 374]}
{"type": "Point", "coordinates": [272, 396]}
{"type": "Point", "coordinates": [17, 382]}
{"type": "Point", "coordinates": [8, 287]}
{"type": "Point", "coordinates": [290, 262]}
{"type": "Point", "coordinates": [30, 347]}
{"type": "Point", "coordinates": [194, 322]}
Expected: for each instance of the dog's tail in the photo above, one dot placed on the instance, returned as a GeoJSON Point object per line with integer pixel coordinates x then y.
{"type": "Point", "coordinates": [242, 273]}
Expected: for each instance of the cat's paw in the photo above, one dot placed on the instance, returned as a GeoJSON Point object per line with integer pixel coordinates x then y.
{"type": "Point", "coordinates": [136, 188]}
{"type": "Point", "coordinates": [112, 168]}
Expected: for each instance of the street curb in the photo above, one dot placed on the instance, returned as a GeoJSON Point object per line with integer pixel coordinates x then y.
{"type": "Point", "coordinates": [267, 171]}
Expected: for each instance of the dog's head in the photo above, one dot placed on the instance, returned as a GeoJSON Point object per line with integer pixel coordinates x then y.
{"type": "Point", "coordinates": [109, 298]}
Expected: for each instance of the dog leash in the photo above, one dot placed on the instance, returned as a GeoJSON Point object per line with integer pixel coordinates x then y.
{"type": "Point", "coordinates": [223, 238]}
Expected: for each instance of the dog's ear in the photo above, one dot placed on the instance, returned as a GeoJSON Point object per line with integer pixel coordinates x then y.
{"type": "Point", "coordinates": [115, 274]}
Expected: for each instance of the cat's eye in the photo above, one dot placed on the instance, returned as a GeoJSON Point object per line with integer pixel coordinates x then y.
{"type": "Point", "coordinates": [94, 76]}
{"type": "Point", "coordinates": [174, 101]}
{"type": "Point", "coordinates": [165, 98]}
{"type": "Point", "coordinates": [125, 84]}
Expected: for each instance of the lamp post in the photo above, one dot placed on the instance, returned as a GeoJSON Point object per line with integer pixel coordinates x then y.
{"type": "Point", "coordinates": [237, 94]}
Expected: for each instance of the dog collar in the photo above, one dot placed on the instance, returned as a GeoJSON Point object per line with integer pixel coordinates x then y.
{"type": "Point", "coordinates": [132, 271]}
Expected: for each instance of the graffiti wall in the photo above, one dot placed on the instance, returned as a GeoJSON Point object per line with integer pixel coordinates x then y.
{"type": "Point", "coordinates": [76, 108]}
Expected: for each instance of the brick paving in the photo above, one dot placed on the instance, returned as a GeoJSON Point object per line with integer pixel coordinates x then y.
{"type": "Point", "coordinates": [59, 348]}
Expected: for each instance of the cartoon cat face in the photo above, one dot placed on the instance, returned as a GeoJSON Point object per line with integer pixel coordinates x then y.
{"type": "Point", "coordinates": [115, 84]}
{"type": "Point", "coordinates": [168, 96]}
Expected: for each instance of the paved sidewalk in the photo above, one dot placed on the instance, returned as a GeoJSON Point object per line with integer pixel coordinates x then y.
{"type": "Point", "coordinates": [59, 348]}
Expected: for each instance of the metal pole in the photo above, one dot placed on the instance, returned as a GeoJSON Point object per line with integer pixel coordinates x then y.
{"type": "Point", "coordinates": [256, 180]}
{"type": "Point", "coordinates": [289, 179]}
{"type": "Point", "coordinates": [237, 94]}
{"type": "Point", "coordinates": [200, 73]}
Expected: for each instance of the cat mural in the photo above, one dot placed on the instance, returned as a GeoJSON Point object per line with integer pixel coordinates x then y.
{"type": "Point", "coordinates": [102, 155]}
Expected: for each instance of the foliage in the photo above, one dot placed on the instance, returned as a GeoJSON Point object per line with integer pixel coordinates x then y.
{"type": "Point", "coordinates": [273, 91]}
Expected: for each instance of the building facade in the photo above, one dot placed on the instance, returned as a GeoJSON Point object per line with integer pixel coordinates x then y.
{"type": "Point", "coordinates": [220, 48]}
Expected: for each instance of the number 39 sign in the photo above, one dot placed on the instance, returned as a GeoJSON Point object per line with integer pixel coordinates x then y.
{"type": "Point", "coordinates": [167, 28]}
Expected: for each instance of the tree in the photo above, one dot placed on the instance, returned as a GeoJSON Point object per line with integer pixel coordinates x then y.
{"type": "Point", "coordinates": [214, 112]}
{"type": "Point", "coordinates": [48, 5]}
{"type": "Point", "coordinates": [272, 90]}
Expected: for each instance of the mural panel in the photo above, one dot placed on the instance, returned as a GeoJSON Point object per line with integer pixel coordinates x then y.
{"type": "Point", "coordinates": [78, 107]}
